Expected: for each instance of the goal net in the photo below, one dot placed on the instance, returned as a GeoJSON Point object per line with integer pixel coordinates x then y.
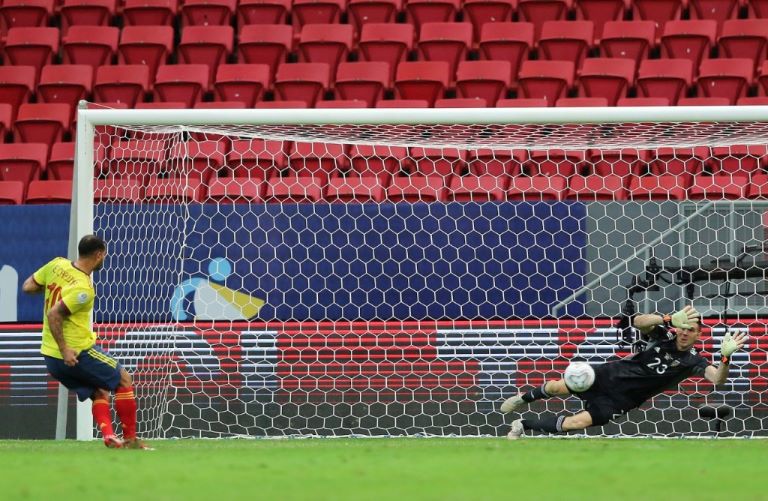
{"type": "Point", "coordinates": [401, 272]}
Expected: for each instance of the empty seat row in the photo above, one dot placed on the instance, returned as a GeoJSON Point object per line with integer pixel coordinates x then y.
{"type": "Point", "coordinates": [416, 188]}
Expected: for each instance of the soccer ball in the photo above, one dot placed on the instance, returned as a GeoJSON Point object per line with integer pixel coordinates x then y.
{"type": "Point", "coordinates": [579, 376]}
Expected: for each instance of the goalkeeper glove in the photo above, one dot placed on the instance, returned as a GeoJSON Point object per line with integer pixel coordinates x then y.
{"type": "Point", "coordinates": [728, 348]}
{"type": "Point", "coordinates": [685, 318]}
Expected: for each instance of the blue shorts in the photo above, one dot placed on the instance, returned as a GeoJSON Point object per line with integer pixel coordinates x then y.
{"type": "Point", "coordinates": [95, 369]}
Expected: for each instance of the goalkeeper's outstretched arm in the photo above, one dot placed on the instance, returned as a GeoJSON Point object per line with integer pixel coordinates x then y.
{"type": "Point", "coordinates": [730, 345]}
{"type": "Point", "coordinates": [683, 319]}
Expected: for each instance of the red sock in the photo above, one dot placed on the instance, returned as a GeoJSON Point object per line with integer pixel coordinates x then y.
{"type": "Point", "coordinates": [103, 417]}
{"type": "Point", "coordinates": [125, 405]}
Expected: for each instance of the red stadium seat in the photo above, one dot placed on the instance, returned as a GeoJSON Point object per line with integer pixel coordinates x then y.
{"type": "Point", "coordinates": [736, 159]}
{"type": "Point", "coordinates": [482, 188]}
{"type": "Point", "coordinates": [610, 78]}
{"type": "Point", "coordinates": [601, 12]}
{"type": "Point", "coordinates": [317, 12]}
{"type": "Point", "coordinates": [280, 105]}
{"type": "Point", "coordinates": [581, 102]}
{"type": "Point", "coordinates": [377, 160]}
{"type": "Point", "coordinates": [207, 12]}
{"type": "Point", "coordinates": [138, 158]}
{"type": "Point", "coordinates": [34, 47]}
{"type": "Point", "coordinates": [596, 187]}
{"type": "Point", "coordinates": [438, 161]}
{"type": "Point", "coordinates": [257, 158]}
{"type": "Point", "coordinates": [11, 192]}
{"type": "Point", "coordinates": [717, 10]}
{"type": "Point", "coordinates": [147, 45]}
{"type": "Point", "coordinates": [359, 189]}
{"type": "Point", "coordinates": [445, 42]}
{"type": "Point", "coordinates": [566, 40]}
{"type": "Point", "coordinates": [628, 39]}
{"type": "Point", "coordinates": [201, 159]}
{"type": "Point", "coordinates": [688, 40]}
{"type": "Point", "coordinates": [758, 9]}
{"type": "Point", "coordinates": [210, 45]}
{"type": "Point", "coordinates": [118, 190]}
{"type": "Point", "coordinates": [758, 187]}
{"type": "Point", "coordinates": [461, 102]}
{"type": "Point", "coordinates": [659, 188]}
{"type": "Point", "coordinates": [753, 101]}
{"type": "Point", "coordinates": [42, 122]}
{"type": "Point", "coordinates": [26, 13]}
{"type": "Point", "coordinates": [703, 101]}
{"type": "Point", "coordinates": [265, 44]}
{"type": "Point", "coordinates": [302, 82]}
{"type": "Point", "coordinates": [746, 38]}
{"type": "Point", "coordinates": [667, 78]}
{"type": "Point", "coordinates": [92, 45]}
{"type": "Point", "coordinates": [762, 80]}
{"type": "Point", "coordinates": [242, 82]}
{"type": "Point", "coordinates": [548, 79]}
{"type": "Point", "coordinates": [481, 12]}
{"type": "Point", "coordinates": [62, 161]}
{"type": "Point", "coordinates": [538, 12]}
{"type": "Point", "coordinates": [658, 11]}
{"type": "Point", "coordinates": [535, 188]}
{"type": "Point", "coordinates": [6, 119]}
{"type": "Point", "coordinates": [622, 163]}
{"type": "Point", "coordinates": [149, 12]}
{"type": "Point", "coordinates": [728, 78]}
{"type": "Point", "coordinates": [221, 105]}
{"type": "Point", "coordinates": [532, 102]}
{"type": "Point", "coordinates": [420, 12]}
{"type": "Point", "coordinates": [362, 12]}
{"type": "Point", "coordinates": [121, 83]}
{"type": "Point", "coordinates": [501, 162]}
{"type": "Point", "coordinates": [174, 191]}
{"type": "Point", "coordinates": [65, 83]}
{"type": "Point", "coordinates": [182, 82]}
{"type": "Point", "coordinates": [49, 192]}
{"type": "Point", "coordinates": [170, 105]}
{"type": "Point", "coordinates": [235, 190]}
{"type": "Point", "coordinates": [422, 80]}
{"type": "Point", "coordinates": [720, 187]}
{"type": "Point", "coordinates": [683, 162]}
{"type": "Point", "coordinates": [486, 80]}
{"type": "Point", "coordinates": [294, 189]}
{"type": "Point", "coordinates": [87, 13]}
{"type": "Point", "coordinates": [341, 104]}
{"type": "Point", "coordinates": [16, 86]}
{"type": "Point", "coordinates": [325, 43]}
{"type": "Point", "coordinates": [262, 12]}
{"type": "Point", "coordinates": [417, 189]}
{"type": "Point", "coordinates": [364, 81]}
{"type": "Point", "coordinates": [507, 42]}
{"type": "Point", "coordinates": [22, 162]}
{"type": "Point", "coordinates": [319, 160]}
{"type": "Point", "coordinates": [403, 103]}
{"type": "Point", "coordinates": [643, 101]}
{"type": "Point", "coordinates": [386, 42]}
{"type": "Point", "coordinates": [553, 162]}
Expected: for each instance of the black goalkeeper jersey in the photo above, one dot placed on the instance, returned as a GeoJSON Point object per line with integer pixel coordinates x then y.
{"type": "Point", "coordinates": [635, 379]}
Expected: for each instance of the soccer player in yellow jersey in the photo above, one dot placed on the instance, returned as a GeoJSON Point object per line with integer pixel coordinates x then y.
{"type": "Point", "coordinates": [69, 344]}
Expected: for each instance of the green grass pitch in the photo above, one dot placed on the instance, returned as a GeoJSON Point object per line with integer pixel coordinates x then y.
{"type": "Point", "coordinates": [380, 469]}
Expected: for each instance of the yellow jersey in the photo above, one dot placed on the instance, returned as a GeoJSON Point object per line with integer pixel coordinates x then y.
{"type": "Point", "coordinates": [64, 282]}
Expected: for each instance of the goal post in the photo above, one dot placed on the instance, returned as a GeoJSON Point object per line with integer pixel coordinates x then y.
{"type": "Point", "coordinates": [400, 271]}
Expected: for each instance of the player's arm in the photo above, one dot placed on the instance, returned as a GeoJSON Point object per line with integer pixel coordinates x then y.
{"type": "Point", "coordinates": [684, 318]}
{"type": "Point", "coordinates": [31, 286]}
{"type": "Point", "coordinates": [56, 316]}
{"type": "Point", "coordinates": [730, 345]}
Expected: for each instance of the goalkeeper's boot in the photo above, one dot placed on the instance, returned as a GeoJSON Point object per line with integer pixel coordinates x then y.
{"type": "Point", "coordinates": [516, 430]}
{"type": "Point", "coordinates": [112, 442]}
{"type": "Point", "coordinates": [135, 443]}
{"type": "Point", "coordinates": [513, 404]}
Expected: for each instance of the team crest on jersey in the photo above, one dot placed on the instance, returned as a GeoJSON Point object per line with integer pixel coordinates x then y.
{"type": "Point", "coordinates": [82, 298]}
{"type": "Point", "coordinates": [657, 349]}
{"type": "Point", "coordinates": [667, 356]}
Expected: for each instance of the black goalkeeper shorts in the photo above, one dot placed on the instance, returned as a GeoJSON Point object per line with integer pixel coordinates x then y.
{"type": "Point", "coordinates": [602, 404]}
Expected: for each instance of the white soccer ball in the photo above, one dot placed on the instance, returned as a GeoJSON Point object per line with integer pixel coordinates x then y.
{"type": "Point", "coordinates": [579, 376]}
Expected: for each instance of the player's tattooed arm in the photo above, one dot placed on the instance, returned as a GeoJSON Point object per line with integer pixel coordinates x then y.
{"type": "Point", "coordinates": [30, 286]}
{"type": "Point", "coordinates": [56, 317]}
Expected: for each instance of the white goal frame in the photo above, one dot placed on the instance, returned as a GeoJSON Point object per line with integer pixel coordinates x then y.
{"type": "Point", "coordinates": [82, 207]}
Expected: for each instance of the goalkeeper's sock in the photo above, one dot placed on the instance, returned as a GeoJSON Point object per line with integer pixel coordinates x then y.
{"type": "Point", "coordinates": [550, 423]}
{"type": "Point", "coordinates": [102, 417]}
{"type": "Point", "coordinates": [125, 405]}
{"type": "Point", "coordinates": [536, 394]}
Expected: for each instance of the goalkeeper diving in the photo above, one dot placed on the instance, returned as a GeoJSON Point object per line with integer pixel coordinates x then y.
{"type": "Point", "coordinates": [623, 385]}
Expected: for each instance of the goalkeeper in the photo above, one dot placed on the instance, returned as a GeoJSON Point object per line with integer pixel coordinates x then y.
{"type": "Point", "coordinates": [625, 384]}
